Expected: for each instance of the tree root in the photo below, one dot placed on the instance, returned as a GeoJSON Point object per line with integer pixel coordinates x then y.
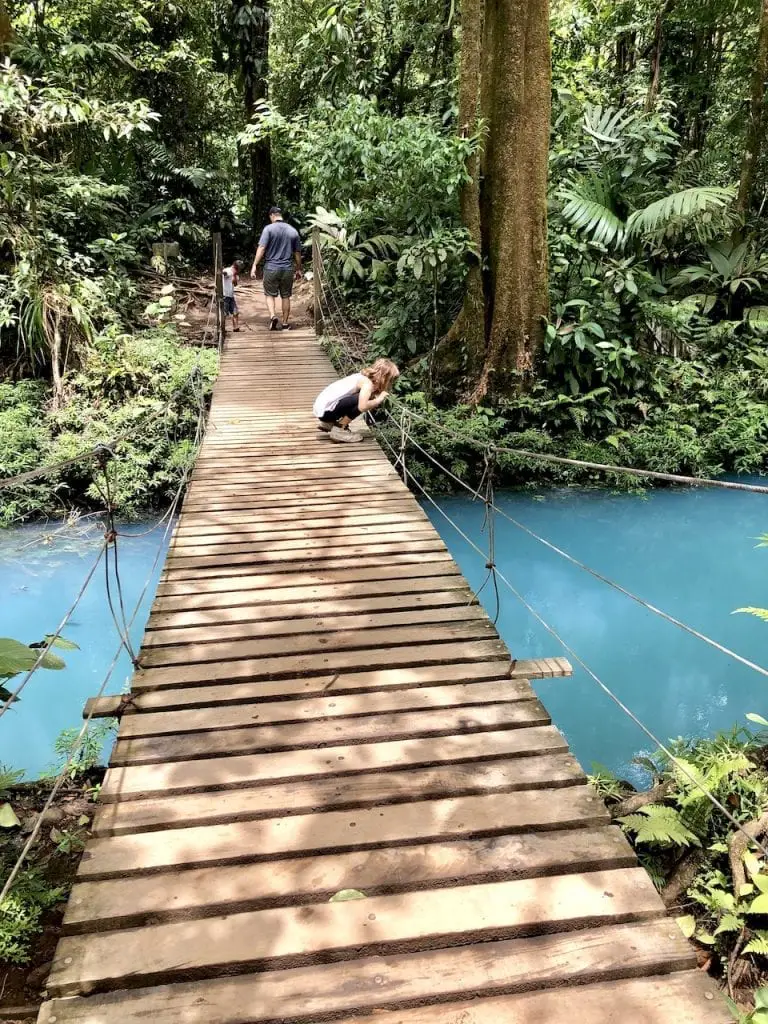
{"type": "Point", "coordinates": [682, 877]}
{"type": "Point", "coordinates": [738, 845]}
{"type": "Point", "coordinates": [633, 803]}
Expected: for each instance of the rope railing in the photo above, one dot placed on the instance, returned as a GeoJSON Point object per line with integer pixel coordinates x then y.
{"type": "Point", "coordinates": [341, 329]}
{"type": "Point", "coordinates": [109, 543]}
{"type": "Point", "coordinates": [659, 744]}
{"type": "Point", "coordinates": [61, 777]}
{"type": "Point", "coordinates": [123, 629]}
{"type": "Point", "coordinates": [485, 493]}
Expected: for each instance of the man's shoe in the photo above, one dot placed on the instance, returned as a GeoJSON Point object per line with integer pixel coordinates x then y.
{"type": "Point", "coordinates": [286, 327]}
{"type": "Point", "coordinates": [326, 427]}
{"type": "Point", "coordinates": [342, 435]}
{"type": "Point", "coordinates": [274, 324]}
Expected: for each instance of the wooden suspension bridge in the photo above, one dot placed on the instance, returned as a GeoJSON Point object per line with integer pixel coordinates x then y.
{"type": "Point", "coordinates": [322, 708]}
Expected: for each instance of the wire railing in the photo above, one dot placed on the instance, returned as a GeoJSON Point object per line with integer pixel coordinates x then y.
{"type": "Point", "coordinates": [398, 444]}
{"type": "Point", "coordinates": [123, 621]}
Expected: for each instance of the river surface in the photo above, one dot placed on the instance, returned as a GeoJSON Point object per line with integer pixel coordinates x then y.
{"type": "Point", "coordinates": [41, 571]}
{"type": "Point", "coordinates": [691, 552]}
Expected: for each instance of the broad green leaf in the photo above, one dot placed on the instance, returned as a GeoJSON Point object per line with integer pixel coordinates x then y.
{"type": "Point", "coordinates": [759, 905]}
{"type": "Point", "coordinates": [761, 999]}
{"type": "Point", "coordinates": [61, 642]}
{"type": "Point", "coordinates": [347, 894]}
{"type": "Point", "coordinates": [687, 925]}
{"type": "Point", "coordinates": [8, 817]}
{"type": "Point", "coordinates": [16, 657]}
{"type": "Point", "coordinates": [167, 289]}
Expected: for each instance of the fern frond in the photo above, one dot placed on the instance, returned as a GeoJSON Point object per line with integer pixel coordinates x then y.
{"type": "Point", "coordinates": [758, 945]}
{"type": "Point", "coordinates": [670, 215]}
{"type": "Point", "coordinates": [658, 824]}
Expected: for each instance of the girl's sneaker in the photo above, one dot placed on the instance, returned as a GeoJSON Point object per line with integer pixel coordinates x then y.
{"type": "Point", "coordinates": [343, 435]}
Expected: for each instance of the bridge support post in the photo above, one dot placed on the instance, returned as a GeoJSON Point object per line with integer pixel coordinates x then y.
{"type": "Point", "coordinates": [316, 265]}
{"type": "Point", "coordinates": [218, 266]}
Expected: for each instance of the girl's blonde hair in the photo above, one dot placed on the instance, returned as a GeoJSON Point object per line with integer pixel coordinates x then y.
{"type": "Point", "coordinates": [381, 375]}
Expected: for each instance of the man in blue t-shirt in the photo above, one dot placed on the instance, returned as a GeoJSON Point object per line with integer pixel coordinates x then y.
{"type": "Point", "coordinates": [280, 248]}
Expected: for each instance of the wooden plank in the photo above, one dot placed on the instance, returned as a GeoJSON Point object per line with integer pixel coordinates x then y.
{"type": "Point", "coordinates": [255, 611]}
{"type": "Point", "coordinates": [132, 902]}
{"type": "Point", "coordinates": [257, 739]}
{"type": "Point", "coordinates": [343, 561]}
{"type": "Point", "coordinates": [383, 579]}
{"type": "Point", "coordinates": [399, 526]}
{"type": "Point", "coordinates": [228, 772]}
{"type": "Point", "coordinates": [201, 542]}
{"type": "Point", "coordinates": [292, 547]}
{"type": "Point", "coordinates": [325, 708]}
{"type": "Point", "coordinates": [308, 623]}
{"type": "Point", "coordinates": [505, 972]}
{"type": "Point", "coordinates": [224, 522]}
{"type": "Point", "coordinates": [296, 935]}
{"type": "Point", "coordinates": [401, 824]}
{"type": "Point", "coordinates": [292, 665]}
{"type": "Point", "coordinates": [478, 628]}
{"type": "Point", "coordinates": [393, 680]}
{"type": "Point", "coordinates": [364, 790]}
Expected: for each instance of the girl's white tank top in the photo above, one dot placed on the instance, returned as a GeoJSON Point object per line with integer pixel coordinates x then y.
{"type": "Point", "coordinates": [339, 389]}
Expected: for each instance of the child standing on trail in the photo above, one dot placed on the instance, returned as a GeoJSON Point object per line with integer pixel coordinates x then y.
{"type": "Point", "coordinates": [351, 396]}
{"type": "Point", "coordinates": [231, 277]}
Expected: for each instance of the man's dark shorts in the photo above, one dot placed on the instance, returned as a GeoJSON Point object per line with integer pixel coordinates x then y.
{"type": "Point", "coordinates": [230, 306]}
{"type": "Point", "coordinates": [279, 282]}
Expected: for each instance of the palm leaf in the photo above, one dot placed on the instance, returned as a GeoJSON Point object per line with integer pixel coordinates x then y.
{"type": "Point", "coordinates": [672, 214]}
{"type": "Point", "coordinates": [587, 209]}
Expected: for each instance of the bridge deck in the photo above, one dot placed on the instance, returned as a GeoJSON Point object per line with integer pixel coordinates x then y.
{"type": "Point", "coordinates": [322, 708]}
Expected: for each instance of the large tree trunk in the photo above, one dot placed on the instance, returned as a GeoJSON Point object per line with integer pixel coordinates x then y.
{"type": "Point", "coordinates": [252, 33]}
{"type": "Point", "coordinates": [260, 161]}
{"type": "Point", "coordinates": [658, 45]}
{"type": "Point", "coordinates": [516, 102]}
{"type": "Point", "coordinates": [754, 136]}
{"type": "Point", "coordinates": [469, 327]}
{"type": "Point", "coordinates": [505, 77]}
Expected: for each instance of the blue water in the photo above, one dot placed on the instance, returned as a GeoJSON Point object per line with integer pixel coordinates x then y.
{"type": "Point", "coordinates": [41, 571]}
{"type": "Point", "coordinates": [690, 552]}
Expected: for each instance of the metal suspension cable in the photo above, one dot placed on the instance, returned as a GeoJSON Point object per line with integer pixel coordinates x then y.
{"type": "Point", "coordinates": [673, 478]}
{"type": "Point", "coordinates": [63, 773]}
{"type": "Point", "coordinates": [55, 636]}
{"type": "Point", "coordinates": [593, 572]}
{"type": "Point", "coordinates": [681, 767]}
{"type": "Point", "coordinates": [110, 539]}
